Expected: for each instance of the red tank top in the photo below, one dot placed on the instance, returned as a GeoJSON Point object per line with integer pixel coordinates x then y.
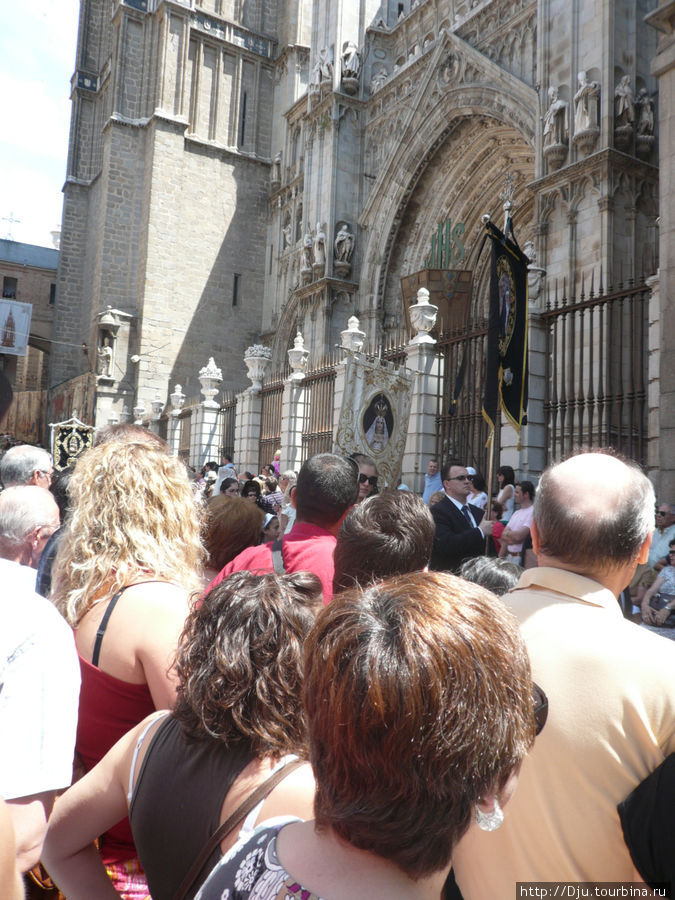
{"type": "Point", "coordinates": [109, 707]}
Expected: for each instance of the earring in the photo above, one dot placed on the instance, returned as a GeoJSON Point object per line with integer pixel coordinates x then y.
{"type": "Point", "coordinates": [492, 820]}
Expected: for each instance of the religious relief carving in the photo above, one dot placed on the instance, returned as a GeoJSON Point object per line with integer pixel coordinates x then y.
{"type": "Point", "coordinates": [624, 114]}
{"type": "Point", "coordinates": [323, 69]}
{"type": "Point", "coordinates": [307, 258]}
{"type": "Point", "coordinates": [344, 248]}
{"type": "Point", "coordinates": [450, 69]}
{"type": "Point", "coordinates": [556, 130]}
{"type": "Point", "coordinates": [108, 326]}
{"type": "Point", "coordinates": [351, 67]}
{"type": "Point", "coordinates": [319, 265]}
{"type": "Point", "coordinates": [380, 76]}
{"type": "Point", "coordinates": [586, 113]}
{"type": "Point", "coordinates": [644, 140]}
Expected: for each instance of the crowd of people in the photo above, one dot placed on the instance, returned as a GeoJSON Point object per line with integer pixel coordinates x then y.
{"type": "Point", "coordinates": [377, 698]}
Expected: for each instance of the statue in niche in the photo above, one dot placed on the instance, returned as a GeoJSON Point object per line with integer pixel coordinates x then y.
{"type": "Point", "coordinates": [286, 231]}
{"type": "Point", "coordinates": [344, 244]}
{"type": "Point", "coordinates": [624, 104]}
{"type": "Point", "coordinates": [586, 104]}
{"type": "Point", "coordinates": [351, 60]}
{"type": "Point", "coordinates": [307, 252]}
{"type": "Point", "coordinates": [319, 247]}
{"type": "Point", "coordinates": [104, 356]}
{"type": "Point", "coordinates": [325, 64]}
{"type": "Point", "coordinates": [645, 104]}
{"type": "Point", "coordinates": [555, 120]}
{"type": "Point", "coordinates": [276, 169]}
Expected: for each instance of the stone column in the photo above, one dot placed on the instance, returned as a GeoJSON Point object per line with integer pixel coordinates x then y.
{"type": "Point", "coordinates": [663, 68]}
{"type": "Point", "coordinates": [654, 382]}
{"type": "Point", "coordinates": [206, 436]}
{"type": "Point", "coordinates": [247, 431]}
{"type": "Point", "coordinates": [420, 445]}
{"type": "Point", "coordinates": [292, 418]}
{"type": "Point", "coordinates": [177, 400]}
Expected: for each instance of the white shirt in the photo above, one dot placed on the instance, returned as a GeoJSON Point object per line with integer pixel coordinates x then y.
{"type": "Point", "coordinates": [39, 689]}
{"type": "Point", "coordinates": [460, 507]}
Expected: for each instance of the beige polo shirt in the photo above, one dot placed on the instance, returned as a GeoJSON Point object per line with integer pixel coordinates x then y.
{"type": "Point", "coordinates": [611, 721]}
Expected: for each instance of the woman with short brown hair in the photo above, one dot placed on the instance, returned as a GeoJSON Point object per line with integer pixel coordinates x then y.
{"type": "Point", "coordinates": [420, 709]}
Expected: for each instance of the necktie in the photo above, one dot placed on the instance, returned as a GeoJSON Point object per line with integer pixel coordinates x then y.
{"type": "Point", "coordinates": [467, 515]}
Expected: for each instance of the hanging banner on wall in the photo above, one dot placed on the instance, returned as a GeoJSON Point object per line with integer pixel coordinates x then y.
{"type": "Point", "coordinates": [14, 326]}
{"type": "Point", "coordinates": [374, 414]}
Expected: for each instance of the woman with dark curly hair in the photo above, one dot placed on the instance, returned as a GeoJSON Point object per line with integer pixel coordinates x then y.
{"type": "Point", "coordinates": [237, 719]}
{"type": "Point", "coordinates": [420, 710]}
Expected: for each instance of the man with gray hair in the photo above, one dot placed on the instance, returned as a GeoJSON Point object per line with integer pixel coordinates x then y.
{"type": "Point", "coordinates": [29, 516]}
{"type": "Point", "coordinates": [25, 464]}
{"type": "Point", "coordinates": [610, 687]}
{"type": "Point", "coordinates": [39, 674]}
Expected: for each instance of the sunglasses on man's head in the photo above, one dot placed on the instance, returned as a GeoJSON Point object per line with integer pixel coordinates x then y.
{"type": "Point", "coordinates": [540, 708]}
{"type": "Point", "coordinates": [371, 479]}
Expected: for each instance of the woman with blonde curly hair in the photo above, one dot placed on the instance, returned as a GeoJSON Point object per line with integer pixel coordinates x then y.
{"type": "Point", "coordinates": [129, 560]}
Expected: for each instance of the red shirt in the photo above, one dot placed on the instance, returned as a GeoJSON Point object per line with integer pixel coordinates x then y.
{"type": "Point", "coordinates": [306, 548]}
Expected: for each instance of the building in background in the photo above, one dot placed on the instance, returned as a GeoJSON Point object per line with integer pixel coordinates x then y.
{"type": "Point", "coordinates": [241, 170]}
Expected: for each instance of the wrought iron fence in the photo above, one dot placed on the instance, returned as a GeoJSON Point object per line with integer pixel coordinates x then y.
{"type": "Point", "coordinates": [270, 418]}
{"type": "Point", "coordinates": [596, 372]}
{"type": "Point", "coordinates": [317, 426]}
{"type": "Point", "coordinates": [228, 413]}
{"type": "Point", "coordinates": [462, 433]}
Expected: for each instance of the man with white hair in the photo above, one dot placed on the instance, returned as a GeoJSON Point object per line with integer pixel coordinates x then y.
{"type": "Point", "coordinates": [29, 516]}
{"type": "Point", "coordinates": [39, 674]}
{"type": "Point", "coordinates": [610, 687]}
{"type": "Point", "coordinates": [25, 464]}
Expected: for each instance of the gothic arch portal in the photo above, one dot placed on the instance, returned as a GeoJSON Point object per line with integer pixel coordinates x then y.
{"type": "Point", "coordinates": [469, 123]}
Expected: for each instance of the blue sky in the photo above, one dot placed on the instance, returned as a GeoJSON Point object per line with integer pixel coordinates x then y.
{"type": "Point", "coordinates": [37, 59]}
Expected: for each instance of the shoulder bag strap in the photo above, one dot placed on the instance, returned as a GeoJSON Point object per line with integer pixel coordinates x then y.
{"type": "Point", "coordinates": [278, 558]}
{"type": "Point", "coordinates": [229, 824]}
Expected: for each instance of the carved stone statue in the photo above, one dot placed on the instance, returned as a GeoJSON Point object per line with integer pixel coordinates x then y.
{"type": "Point", "coordinates": [325, 64]}
{"type": "Point", "coordinates": [104, 356]}
{"type": "Point", "coordinates": [276, 169]}
{"type": "Point", "coordinates": [350, 65]}
{"type": "Point", "coordinates": [286, 232]}
{"type": "Point", "coordinates": [624, 103]}
{"type": "Point", "coordinates": [307, 251]}
{"type": "Point", "coordinates": [645, 123]}
{"type": "Point", "coordinates": [644, 139]}
{"type": "Point", "coordinates": [319, 247]}
{"type": "Point", "coordinates": [344, 244]}
{"type": "Point", "coordinates": [586, 104]}
{"type": "Point", "coordinates": [351, 60]}
{"type": "Point", "coordinates": [555, 120]}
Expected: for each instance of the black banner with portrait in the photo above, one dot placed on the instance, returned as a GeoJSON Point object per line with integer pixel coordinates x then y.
{"type": "Point", "coordinates": [507, 372]}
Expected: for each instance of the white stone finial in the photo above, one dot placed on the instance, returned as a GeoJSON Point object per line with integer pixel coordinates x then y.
{"type": "Point", "coordinates": [139, 412]}
{"type": "Point", "coordinates": [157, 406]}
{"type": "Point", "coordinates": [352, 337]}
{"type": "Point", "coordinates": [209, 378]}
{"type": "Point", "coordinates": [298, 356]}
{"type": "Point", "coordinates": [257, 358]}
{"type": "Point", "coordinates": [423, 318]}
{"type": "Point", "coordinates": [177, 400]}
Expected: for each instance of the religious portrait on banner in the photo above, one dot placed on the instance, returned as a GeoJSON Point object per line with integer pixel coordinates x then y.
{"type": "Point", "coordinates": [378, 423]}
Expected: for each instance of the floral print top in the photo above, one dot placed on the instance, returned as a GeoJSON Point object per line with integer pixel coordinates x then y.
{"type": "Point", "coordinates": [251, 871]}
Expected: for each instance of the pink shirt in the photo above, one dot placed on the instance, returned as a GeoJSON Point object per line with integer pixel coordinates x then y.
{"type": "Point", "coordinates": [306, 548]}
{"type": "Point", "coordinates": [519, 519]}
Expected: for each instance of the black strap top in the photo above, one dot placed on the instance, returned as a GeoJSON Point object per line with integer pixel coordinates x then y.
{"type": "Point", "coordinates": [176, 804]}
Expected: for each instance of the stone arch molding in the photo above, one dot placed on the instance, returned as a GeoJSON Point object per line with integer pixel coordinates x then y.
{"type": "Point", "coordinates": [457, 82]}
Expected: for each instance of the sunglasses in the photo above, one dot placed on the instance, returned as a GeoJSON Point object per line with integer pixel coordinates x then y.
{"type": "Point", "coordinates": [371, 479]}
{"type": "Point", "coordinates": [461, 478]}
{"type": "Point", "coordinates": [540, 708]}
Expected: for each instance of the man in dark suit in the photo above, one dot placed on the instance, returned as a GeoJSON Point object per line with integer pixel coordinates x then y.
{"type": "Point", "coordinates": [460, 529]}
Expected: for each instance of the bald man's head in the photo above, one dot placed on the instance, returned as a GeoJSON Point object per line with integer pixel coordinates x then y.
{"type": "Point", "coordinates": [593, 512]}
{"type": "Point", "coordinates": [28, 518]}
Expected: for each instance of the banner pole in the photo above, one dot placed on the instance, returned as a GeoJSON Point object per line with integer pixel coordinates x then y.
{"type": "Point", "coordinates": [491, 462]}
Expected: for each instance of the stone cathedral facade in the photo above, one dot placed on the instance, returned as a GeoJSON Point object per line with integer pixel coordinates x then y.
{"type": "Point", "coordinates": [243, 169]}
